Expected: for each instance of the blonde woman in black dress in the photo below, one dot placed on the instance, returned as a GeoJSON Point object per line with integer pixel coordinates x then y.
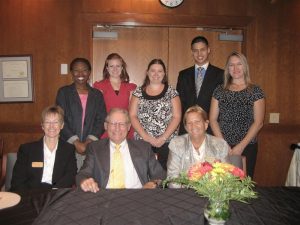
{"type": "Point", "coordinates": [237, 110]}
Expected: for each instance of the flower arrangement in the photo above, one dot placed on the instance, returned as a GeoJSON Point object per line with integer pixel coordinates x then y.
{"type": "Point", "coordinates": [220, 183]}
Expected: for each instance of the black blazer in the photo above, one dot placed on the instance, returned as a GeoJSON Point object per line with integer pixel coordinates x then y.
{"type": "Point", "coordinates": [68, 98]}
{"type": "Point", "coordinates": [27, 176]}
{"type": "Point", "coordinates": [97, 162]}
{"type": "Point", "coordinates": [187, 90]}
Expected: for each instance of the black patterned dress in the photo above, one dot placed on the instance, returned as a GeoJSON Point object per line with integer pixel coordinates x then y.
{"type": "Point", "coordinates": [236, 115]}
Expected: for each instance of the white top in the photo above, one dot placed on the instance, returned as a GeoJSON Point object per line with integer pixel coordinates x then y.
{"type": "Point", "coordinates": [131, 177]}
{"type": "Point", "coordinates": [49, 159]}
{"type": "Point", "coordinates": [199, 156]}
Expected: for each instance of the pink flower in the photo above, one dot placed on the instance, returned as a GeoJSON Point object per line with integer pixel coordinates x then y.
{"type": "Point", "coordinates": [206, 167]}
{"type": "Point", "coordinates": [198, 170]}
{"type": "Point", "coordinates": [238, 173]}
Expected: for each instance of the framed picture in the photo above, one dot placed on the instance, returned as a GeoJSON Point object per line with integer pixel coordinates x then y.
{"type": "Point", "coordinates": [16, 82]}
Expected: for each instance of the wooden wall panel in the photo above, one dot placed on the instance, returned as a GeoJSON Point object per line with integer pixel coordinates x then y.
{"type": "Point", "coordinates": [274, 155]}
{"type": "Point", "coordinates": [180, 55]}
{"type": "Point", "coordinates": [141, 44]}
{"type": "Point", "coordinates": [16, 139]}
{"type": "Point", "coordinates": [138, 46]}
{"type": "Point", "coordinates": [193, 7]}
{"type": "Point", "coordinates": [30, 30]}
{"type": "Point", "coordinates": [272, 49]}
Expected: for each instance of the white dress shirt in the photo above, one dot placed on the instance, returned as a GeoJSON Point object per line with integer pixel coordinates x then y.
{"type": "Point", "coordinates": [203, 66]}
{"type": "Point", "coordinates": [131, 177]}
{"type": "Point", "coordinates": [49, 160]}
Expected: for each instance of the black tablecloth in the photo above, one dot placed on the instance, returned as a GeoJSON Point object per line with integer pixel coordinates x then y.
{"type": "Point", "coordinates": [141, 207]}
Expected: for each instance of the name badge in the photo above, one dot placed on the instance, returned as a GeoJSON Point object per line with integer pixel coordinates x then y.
{"type": "Point", "coordinates": [37, 164]}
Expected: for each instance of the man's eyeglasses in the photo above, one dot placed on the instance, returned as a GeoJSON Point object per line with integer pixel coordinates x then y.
{"type": "Point", "coordinates": [121, 125]}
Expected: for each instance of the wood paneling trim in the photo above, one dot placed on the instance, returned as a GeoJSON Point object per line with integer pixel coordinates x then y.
{"type": "Point", "coordinates": [168, 20]}
{"type": "Point", "coordinates": [20, 128]}
{"type": "Point", "coordinates": [281, 129]}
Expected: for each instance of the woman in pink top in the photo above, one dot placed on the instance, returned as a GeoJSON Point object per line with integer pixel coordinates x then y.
{"type": "Point", "coordinates": [115, 85]}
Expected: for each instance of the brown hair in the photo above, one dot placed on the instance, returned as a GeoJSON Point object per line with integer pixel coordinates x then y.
{"type": "Point", "coordinates": [152, 62]}
{"type": "Point", "coordinates": [124, 75]}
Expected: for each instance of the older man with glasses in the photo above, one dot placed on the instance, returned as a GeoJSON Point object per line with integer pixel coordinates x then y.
{"type": "Point", "coordinates": [117, 162]}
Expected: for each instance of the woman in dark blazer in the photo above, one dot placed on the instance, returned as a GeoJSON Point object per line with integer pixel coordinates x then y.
{"type": "Point", "coordinates": [49, 162]}
{"type": "Point", "coordinates": [84, 109]}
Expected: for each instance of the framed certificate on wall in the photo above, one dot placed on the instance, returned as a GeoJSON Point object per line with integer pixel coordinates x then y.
{"type": "Point", "coordinates": [16, 82]}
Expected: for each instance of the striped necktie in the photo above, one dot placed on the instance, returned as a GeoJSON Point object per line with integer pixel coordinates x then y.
{"type": "Point", "coordinates": [199, 79]}
{"type": "Point", "coordinates": [117, 173]}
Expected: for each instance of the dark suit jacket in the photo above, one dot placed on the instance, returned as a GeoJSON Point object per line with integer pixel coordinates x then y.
{"type": "Point", "coordinates": [187, 90]}
{"type": "Point", "coordinates": [68, 98]}
{"type": "Point", "coordinates": [27, 177]}
{"type": "Point", "coordinates": [97, 162]}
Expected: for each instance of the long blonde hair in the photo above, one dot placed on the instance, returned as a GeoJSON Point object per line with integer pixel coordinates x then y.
{"type": "Point", "coordinates": [227, 76]}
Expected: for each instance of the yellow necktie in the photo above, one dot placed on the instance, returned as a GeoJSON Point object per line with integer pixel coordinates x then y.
{"type": "Point", "coordinates": [117, 174]}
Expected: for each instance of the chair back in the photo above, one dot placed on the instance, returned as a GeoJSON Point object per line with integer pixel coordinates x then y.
{"type": "Point", "coordinates": [10, 163]}
{"type": "Point", "coordinates": [238, 161]}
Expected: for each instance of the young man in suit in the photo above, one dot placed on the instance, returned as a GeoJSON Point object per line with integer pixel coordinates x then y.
{"type": "Point", "coordinates": [192, 92]}
{"type": "Point", "coordinates": [116, 162]}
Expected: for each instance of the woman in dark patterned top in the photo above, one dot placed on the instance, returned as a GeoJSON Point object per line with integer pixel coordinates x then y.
{"type": "Point", "coordinates": [237, 110]}
{"type": "Point", "coordinates": [155, 110]}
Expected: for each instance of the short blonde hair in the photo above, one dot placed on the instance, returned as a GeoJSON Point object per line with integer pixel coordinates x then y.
{"type": "Point", "coordinates": [195, 109]}
{"type": "Point", "coordinates": [53, 109]}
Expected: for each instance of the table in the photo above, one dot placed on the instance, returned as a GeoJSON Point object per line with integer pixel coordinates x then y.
{"type": "Point", "coordinates": [278, 205]}
{"type": "Point", "coordinates": [32, 203]}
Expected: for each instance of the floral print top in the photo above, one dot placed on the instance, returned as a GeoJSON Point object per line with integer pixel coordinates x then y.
{"type": "Point", "coordinates": [155, 112]}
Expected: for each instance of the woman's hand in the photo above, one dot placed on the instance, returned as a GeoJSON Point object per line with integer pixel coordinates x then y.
{"type": "Point", "coordinates": [87, 141]}
{"type": "Point", "coordinates": [160, 141]}
{"type": "Point", "coordinates": [155, 142]}
{"type": "Point", "coordinates": [80, 147]}
{"type": "Point", "coordinates": [236, 150]}
{"type": "Point", "coordinates": [148, 138]}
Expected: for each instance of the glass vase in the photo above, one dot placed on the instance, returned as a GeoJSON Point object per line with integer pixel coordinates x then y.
{"type": "Point", "coordinates": [217, 212]}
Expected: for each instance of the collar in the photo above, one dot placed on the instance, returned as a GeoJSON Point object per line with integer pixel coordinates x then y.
{"type": "Point", "coordinates": [46, 147]}
{"type": "Point", "coordinates": [113, 145]}
{"type": "Point", "coordinates": [205, 66]}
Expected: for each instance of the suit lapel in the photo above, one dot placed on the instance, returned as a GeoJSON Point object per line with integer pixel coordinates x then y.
{"type": "Point", "coordinates": [76, 98]}
{"type": "Point", "coordinates": [135, 155]}
{"type": "Point", "coordinates": [191, 82]}
{"type": "Point", "coordinates": [88, 110]}
{"type": "Point", "coordinates": [59, 158]}
{"type": "Point", "coordinates": [103, 155]}
{"type": "Point", "coordinates": [39, 157]}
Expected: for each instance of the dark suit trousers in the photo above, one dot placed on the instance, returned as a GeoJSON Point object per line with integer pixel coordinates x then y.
{"type": "Point", "coordinates": [162, 154]}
